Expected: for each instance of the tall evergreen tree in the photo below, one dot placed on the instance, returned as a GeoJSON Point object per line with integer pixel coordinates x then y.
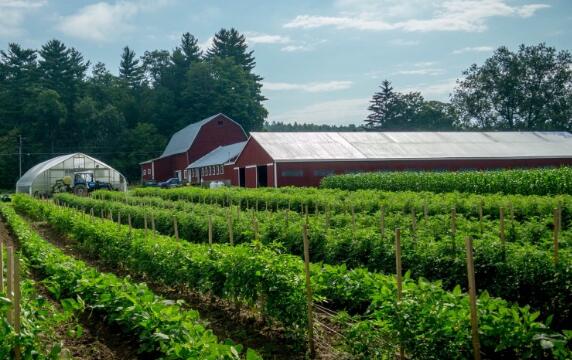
{"type": "Point", "coordinates": [130, 71]}
{"type": "Point", "coordinates": [381, 106]}
{"type": "Point", "coordinates": [232, 45]}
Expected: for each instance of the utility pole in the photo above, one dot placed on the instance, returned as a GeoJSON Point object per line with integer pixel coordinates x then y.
{"type": "Point", "coordinates": [20, 154]}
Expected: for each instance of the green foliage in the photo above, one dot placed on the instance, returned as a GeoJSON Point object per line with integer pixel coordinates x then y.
{"type": "Point", "coordinates": [525, 182]}
{"type": "Point", "coordinates": [521, 271]}
{"type": "Point", "coordinates": [47, 96]}
{"type": "Point", "coordinates": [426, 307]}
{"type": "Point", "coordinates": [160, 326]}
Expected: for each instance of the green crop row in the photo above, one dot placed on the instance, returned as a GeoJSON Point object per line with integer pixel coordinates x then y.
{"type": "Point", "coordinates": [332, 200]}
{"type": "Point", "coordinates": [522, 270]}
{"type": "Point", "coordinates": [424, 303]}
{"type": "Point", "coordinates": [161, 326]}
{"type": "Point", "coordinates": [549, 181]}
{"type": "Point", "coordinates": [37, 317]}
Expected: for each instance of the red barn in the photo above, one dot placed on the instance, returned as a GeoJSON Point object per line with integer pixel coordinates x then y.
{"type": "Point", "coordinates": [191, 143]}
{"type": "Point", "coordinates": [304, 158]}
{"type": "Point", "coordinates": [215, 166]}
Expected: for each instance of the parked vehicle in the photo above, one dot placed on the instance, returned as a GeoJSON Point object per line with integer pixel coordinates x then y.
{"type": "Point", "coordinates": [170, 183]}
{"type": "Point", "coordinates": [150, 183]}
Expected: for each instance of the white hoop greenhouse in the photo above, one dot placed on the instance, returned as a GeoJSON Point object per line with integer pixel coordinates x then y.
{"type": "Point", "coordinates": [40, 179]}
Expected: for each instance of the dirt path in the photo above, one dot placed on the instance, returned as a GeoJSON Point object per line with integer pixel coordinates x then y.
{"type": "Point", "coordinates": [97, 341]}
{"type": "Point", "coordinates": [226, 320]}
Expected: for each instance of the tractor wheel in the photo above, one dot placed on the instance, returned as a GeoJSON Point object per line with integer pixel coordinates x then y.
{"type": "Point", "coordinates": [80, 190]}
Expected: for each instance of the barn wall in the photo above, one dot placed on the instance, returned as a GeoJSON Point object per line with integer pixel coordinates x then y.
{"type": "Point", "coordinates": [250, 177]}
{"type": "Point", "coordinates": [252, 154]}
{"type": "Point", "coordinates": [147, 167]}
{"type": "Point", "coordinates": [313, 172]}
{"type": "Point", "coordinates": [219, 131]}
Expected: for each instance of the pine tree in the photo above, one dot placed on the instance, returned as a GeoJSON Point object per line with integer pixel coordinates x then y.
{"type": "Point", "coordinates": [130, 71]}
{"type": "Point", "coordinates": [381, 106]}
{"type": "Point", "coordinates": [232, 45]}
{"type": "Point", "coordinates": [189, 49]}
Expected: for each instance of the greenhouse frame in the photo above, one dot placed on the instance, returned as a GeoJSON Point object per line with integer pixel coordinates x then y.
{"type": "Point", "coordinates": [40, 179]}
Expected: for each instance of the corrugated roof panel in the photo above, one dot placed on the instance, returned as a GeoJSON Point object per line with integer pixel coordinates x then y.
{"type": "Point", "coordinates": [182, 140]}
{"type": "Point", "coordinates": [414, 145]}
{"type": "Point", "coordinates": [220, 155]}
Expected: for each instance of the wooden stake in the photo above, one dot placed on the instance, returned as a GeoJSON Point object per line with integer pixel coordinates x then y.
{"type": "Point", "coordinates": [453, 227]}
{"type": "Point", "coordinates": [129, 221]}
{"type": "Point", "coordinates": [353, 222]}
{"type": "Point", "coordinates": [501, 225]}
{"type": "Point", "coordinates": [10, 281]}
{"type": "Point", "coordinates": [473, 299]}
{"type": "Point", "coordinates": [175, 227]}
{"type": "Point", "coordinates": [308, 292]}
{"type": "Point", "coordinates": [153, 223]}
{"type": "Point", "coordinates": [481, 216]}
{"type": "Point", "coordinates": [145, 223]}
{"type": "Point", "coordinates": [382, 222]}
{"type": "Point", "coordinates": [210, 230]}
{"type": "Point", "coordinates": [110, 215]}
{"type": "Point", "coordinates": [399, 278]}
{"type": "Point", "coordinates": [16, 307]}
{"type": "Point", "coordinates": [555, 232]}
{"type": "Point", "coordinates": [230, 229]}
{"type": "Point", "coordinates": [413, 222]}
{"type": "Point", "coordinates": [1, 265]}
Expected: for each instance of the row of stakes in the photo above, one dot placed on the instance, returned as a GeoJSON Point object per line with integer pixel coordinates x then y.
{"type": "Point", "coordinates": [399, 281]}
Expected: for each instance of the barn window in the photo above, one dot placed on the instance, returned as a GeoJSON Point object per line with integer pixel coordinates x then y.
{"type": "Point", "coordinates": [144, 172]}
{"type": "Point", "coordinates": [293, 173]}
{"type": "Point", "coordinates": [222, 169]}
{"type": "Point", "coordinates": [323, 172]}
{"type": "Point", "coordinates": [184, 174]}
{"type": "Point", "coordinates": [220, 123]}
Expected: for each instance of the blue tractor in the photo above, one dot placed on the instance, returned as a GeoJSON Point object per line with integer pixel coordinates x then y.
{"type": "Point", "coordinates": [83, 184]}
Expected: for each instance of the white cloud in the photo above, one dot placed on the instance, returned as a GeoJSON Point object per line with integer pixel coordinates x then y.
{"type": "Point", "coordinates": [335, 112]}
{"type": "Point", "coordinates": [473, 49]}
{"type": "Point", "coordinates": [434, 91]}
{"type": "Point", "coordinates": [103, 21]}
{"type": "Point", "coordinates": [453, 15]}
{"type": "Point", "coordinates": [296, 48]}
{"type": "Point", "coordinates": [259, 38]}
{"type": "Point", "coordinates": [205, 45]}
{"type": "Point", "coordinates": [420, 68]}
{"type": "Point", "coordinates": [312, 87]}
{"type": "Point", "coordinates": [13, 14]}
{"type": "Point", "coordinates": [403, 42]}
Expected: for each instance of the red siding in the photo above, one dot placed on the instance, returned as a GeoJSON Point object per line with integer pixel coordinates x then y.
{"type": "Point", "coordinates": [253, 154]}
{"type": "Point", "coordinates": [310, 178]}
{"type": "Point", "coordinates": [217, 132]}
{"type": "Point", "coordinates": [250, 177]}
{"type": "Point", "coordinates": [147, 169]}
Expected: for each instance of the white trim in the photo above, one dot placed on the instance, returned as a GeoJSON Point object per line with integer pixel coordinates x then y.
{"type": "Point", "coordinates": [237, 168]}
{"type": "Point", "coordinates": [270, 164]}
{"type": "Point", "coordinates": [256, 182]}
{"type": "Point", "coordinates": [275, 176]}
{"type": "Point", "coordinates": [152, 170]}
{"type": "Point", "coordinates": [555, 157]}
{"type": "Point", "coordinates": [250, 166]}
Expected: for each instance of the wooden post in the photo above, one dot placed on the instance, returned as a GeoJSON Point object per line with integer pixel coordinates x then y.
{"type": "Point", "coordinates": [91, 212]}
{"type": "Point", "coordinates": [10, 281]}
{"type": "Point", "coordinates": [17, 300]}
{"type": "Point", "coordinates": [289, 204]}
{"type": "Point", "coordinates": [473, 299]}
{"type": "Point", "coordinates": [555, 231]}
{"type": "Point", "coordinates": [257, 204]}
{"type": "Point", "coordinates": [308, 291]}
{"type": "Point", "coordinates": [1, 265]}
{"type": "Point", "coordinates": [266, 205]}
{"type": "Point", "coordinates": [382, 222]}
{"type": "Point", "coordinates": [102, 216]}
{"type": "Point", "coordinates": [153, 223]}
{"type": "Point", "coordinates": [210, 230]}
{"type": "Point", "coordinates": [413, 222]}
{"type": "Point", "coordinates": [353, 222]}
{"type": "Point", "coordinates": [481, 216]}
{"type": "Point", "coordinates": [110, 215]}
{"type": "Point", "coordinates": [399, 278]}
{"type": "Point", "coordinates": [145, 223]}
{"type": "Point", "coordinates": [129, 221]}
{"type": "Point", "coordinates": [230, 229]}
{"type": "Point", "coordinates": [501, 225]}
{"type": "Point", "coordinates": [255, 227]}
{"type": "Point", "coordinates": [175, 227]}
{"type": "Point", "coordinates": [453, 227]}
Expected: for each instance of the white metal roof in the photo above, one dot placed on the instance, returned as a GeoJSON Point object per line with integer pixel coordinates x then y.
{"type": "Point", "coordinates": [182, 140]}
{"type": "Point", "coordinates": [311, 146]}
{"type": "Point", "coordinates": [219, 156]}
{"type": "Point", "coordinates": [29, 176]}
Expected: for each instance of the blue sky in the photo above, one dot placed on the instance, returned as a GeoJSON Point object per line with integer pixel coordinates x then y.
{"type": "Point", "coordinates": [321, 60]}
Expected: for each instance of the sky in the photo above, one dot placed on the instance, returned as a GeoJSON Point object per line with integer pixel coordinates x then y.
{"type": "Point", "coordinates": [321, 60]}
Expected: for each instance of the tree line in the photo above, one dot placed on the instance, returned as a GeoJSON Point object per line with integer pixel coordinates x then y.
{"type": "Point", "coordinates": [528, 89]}
{"type": "Point", "coordinates": [61, 103]}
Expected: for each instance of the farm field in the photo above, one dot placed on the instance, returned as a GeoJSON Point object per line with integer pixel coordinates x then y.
{"type": "Point", "coordinates": [253, 259]}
